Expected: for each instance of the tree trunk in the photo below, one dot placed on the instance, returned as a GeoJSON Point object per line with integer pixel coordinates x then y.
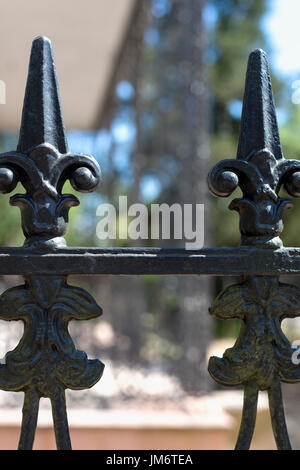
{"type": "Point", "coordinates": [195, 325]}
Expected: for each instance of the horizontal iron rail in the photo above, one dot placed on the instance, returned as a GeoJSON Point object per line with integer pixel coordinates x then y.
{"type": "Point", "coordinates": [143, 261]}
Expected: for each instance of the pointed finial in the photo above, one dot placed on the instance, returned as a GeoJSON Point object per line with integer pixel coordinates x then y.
{"type": "Point", "coordinates": [260, 169]}
{"type": "Point", "coordinates": [259, 128]}
{"type": "Point", "coordinates": [42, 120]}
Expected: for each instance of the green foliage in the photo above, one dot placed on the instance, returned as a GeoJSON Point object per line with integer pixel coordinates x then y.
{"type": "Point", "coordinates": [236, 33]}
{"type": "Point", "coordinates": [291, 149]}
{"type": "Point", "coordinates": [10, 228]}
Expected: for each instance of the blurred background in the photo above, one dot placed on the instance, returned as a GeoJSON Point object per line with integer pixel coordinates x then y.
{"type": "Point", "coordinates": [153, 90]}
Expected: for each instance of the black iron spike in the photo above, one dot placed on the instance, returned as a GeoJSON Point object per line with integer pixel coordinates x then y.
{"type": "Point", "coordinates": [42, 120]}
{"type": "Point", "coordinates": [259, 128]}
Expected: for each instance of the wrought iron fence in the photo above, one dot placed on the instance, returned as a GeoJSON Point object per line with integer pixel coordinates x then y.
{"type": "Point", "coordinates": [46, 362]}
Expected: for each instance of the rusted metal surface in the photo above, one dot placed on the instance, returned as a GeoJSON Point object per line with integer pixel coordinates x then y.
{"type": "Point", "coordinates": [142, 261]}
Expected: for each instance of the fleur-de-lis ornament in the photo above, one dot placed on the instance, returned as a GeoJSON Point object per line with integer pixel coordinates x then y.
{"type": "Point", "coordinates": [42, 162]}
{"type": "Point", "coordinates": [259, 169]}
{"type": "Point", "coordinates": [262, 356]}
{"type": "Point", "coordinates": [46, 362]}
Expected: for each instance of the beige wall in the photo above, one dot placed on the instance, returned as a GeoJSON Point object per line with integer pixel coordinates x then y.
{"type": "Point", "coordinates": [118, 439]}
{"type": "Point", "coordinates": [86, 43]}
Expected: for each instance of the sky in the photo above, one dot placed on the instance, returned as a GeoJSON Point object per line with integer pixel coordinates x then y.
{"type": "Point", "coordinates": [282, 27]}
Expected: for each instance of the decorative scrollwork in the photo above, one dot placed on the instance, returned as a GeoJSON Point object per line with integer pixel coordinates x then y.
{"type": "Point", "coordinates": [262, 355]}
{"type": "Point", "coordinates": [46, 362]}
{"type": "Point", "coordinates": [43, 172]}
{"type": "Point", "coordinates": [46, 356]}
{"type": "Point", "coordinates": [261, 351]}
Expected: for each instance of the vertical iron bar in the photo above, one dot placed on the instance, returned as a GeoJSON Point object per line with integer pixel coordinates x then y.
{"type": "Point", "coordinates": [29, 422]}
{"type": "Point", "coordinates": [60, 420]}
{"type": "Point", "coordinates": [248, 417]}
{"type": "Point", "coordinates": [278, 417]}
